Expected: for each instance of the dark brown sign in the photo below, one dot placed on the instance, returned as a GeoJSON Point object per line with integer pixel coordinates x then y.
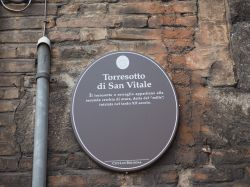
{"type": "Point", "coordinates": [124, 111]}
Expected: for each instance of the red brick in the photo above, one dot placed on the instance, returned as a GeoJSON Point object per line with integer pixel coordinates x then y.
{"type": "Point", "coordinates": [185, 135]}
{"type": "Point", "coordinates": [179, 45]}
{"type": "Point", "coordinates": [181, 78]}
{"type": "Point", "coordinates": [157, 21]}
{"type": "Point", "coordinates": [178, 33]}
{"type": "Point", "coordinates": [144, 47]}
{"type": "Point", "coordinates": [135, 34]}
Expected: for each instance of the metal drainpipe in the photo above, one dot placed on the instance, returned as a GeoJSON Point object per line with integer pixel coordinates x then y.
{"type": "Point", "coordinates": [41, 118]}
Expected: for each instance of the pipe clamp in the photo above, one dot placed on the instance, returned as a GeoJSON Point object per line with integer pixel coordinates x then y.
{"type": "Point", "coordinates": [43, 75]}
{"type": "Point", "coordinates": [44, 40]}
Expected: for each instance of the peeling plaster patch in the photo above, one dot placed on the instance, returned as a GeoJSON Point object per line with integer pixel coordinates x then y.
{"type": "Point", "coordinates": [68, 80]}
{"type": "Point", "coordinates": [184, 178]}
{"type": "Point", "coordinates": [233, 100]}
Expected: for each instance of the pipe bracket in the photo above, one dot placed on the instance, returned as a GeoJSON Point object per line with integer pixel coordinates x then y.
{"type": "Point", "coordinates": [44, 40]}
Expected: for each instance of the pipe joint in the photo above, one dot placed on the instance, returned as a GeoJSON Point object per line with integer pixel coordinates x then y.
{"type": "Point", "coordinates": [43, 75]}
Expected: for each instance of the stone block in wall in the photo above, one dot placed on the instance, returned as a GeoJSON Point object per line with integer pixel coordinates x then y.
{"type": "Point", "coordinates": [239, 10]}
{"type": "Point", "coordinates": [20, 36]}
{"type": "Point", "coordinates": [17, 65]}
{"type": "Point", "coordinates": [213, 10]}
{"type": "Point", "coordinates": [91, 34]}
{"type": "Point", "coordinates": [9, 93]}
{"type": "Point", "coordinates": [240, 43]}
{"type": "Point", "coordinates": [15, 179]}
{"type": "Point", "coordinates": [213, 175]}
{"type": "Point", "coordinates": [7, 119]}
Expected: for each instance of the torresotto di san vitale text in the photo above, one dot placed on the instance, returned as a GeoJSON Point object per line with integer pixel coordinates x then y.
{"type": "Point", "coordinates": [135, 80]}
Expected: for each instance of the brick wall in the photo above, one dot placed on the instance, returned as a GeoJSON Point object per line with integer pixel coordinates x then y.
{"type": "Point", "coordinates": [204, 47]}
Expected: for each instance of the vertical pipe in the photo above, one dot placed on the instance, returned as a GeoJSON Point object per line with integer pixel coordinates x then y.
{"type": "Point", "coordinates": [41, 117]}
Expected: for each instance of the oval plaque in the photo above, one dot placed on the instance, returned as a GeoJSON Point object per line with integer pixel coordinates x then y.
{"type": "Point", "coordinates": [124, 111]}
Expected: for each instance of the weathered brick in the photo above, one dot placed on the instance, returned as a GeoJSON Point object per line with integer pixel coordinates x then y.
{"type": "Point", "coordinates": [10, 80]}
{"type": "Point", "coordinates": [36, 10]}
{"type": "Point", "coordinates": [167, 177]}
{"type": "Point", "coordinates": [106, 21]}
{"type": "Point", "coordinates": [178, 33]}
{"type": "Point", "coordinates": [157, 21]}
{"type": "Point", "coordinates": [66, 180]}
{"type": "Point", "coordinates": [9, 93]}
{"type": "Point", "coordinates": [56, 161]}
{"type": "Point", "coordinates": [18, 23]}
{"type": "Point", "coordinates": [18, 51]}
{"type": "Point", "coordinates": [205, 175]}
{"type": "Point", "coordinates": [8, 149]}
{"type": "Point", "coordinates": [181, 78]}
{"type": "Point", "coordinates": [67, 52]}
{"type": "Point", "coordinates": [144, 47]}
{"type": "Point", "coordinates": [25, 163]}
{"type": "Point", "coordinates": [91, 34]}
{"type": "Point", "coordinates": [8, 105]}
{"type": "Point", "coordinates": [17, 65]}
{"type": "Point", "coordinates": [186, 136]}
{"type": "Point", "coordinates": [135, 34]}
{"type": "Point", "coordinates": [153, 8]}
{"type": "Point", "coordinates": [212, 34]}
{"type": "Point", "coordinates": [80, 161]}
{"type": "Point", "coordinates": [95, 8]}
{"type": "Point", "coordinates": [69, 9]}
{"type": "Point", "coordinates": [230, 156]}
{"type": "Point", "coordinates": [8, 164]}
{"type": "Point", "coordinates": [64, 35]}
{"type": "Point", "coordinates": [6, 119]}
{"type": "Point", "coordinates": [15, 180]}
{"type": "Point", "coordinates": [19, 36]}
{"type": "Point", "coordinates": [179, 45]}
{"type": "Point", "coordinates": [185, 156]}
{"type": "Point", "coordinates": [214, 10]}
{"type": "Point", "coordinates": [177, 61]}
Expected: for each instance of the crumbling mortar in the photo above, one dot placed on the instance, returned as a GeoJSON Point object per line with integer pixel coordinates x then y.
{"type": "Point", "coordinates": [16, 135]}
